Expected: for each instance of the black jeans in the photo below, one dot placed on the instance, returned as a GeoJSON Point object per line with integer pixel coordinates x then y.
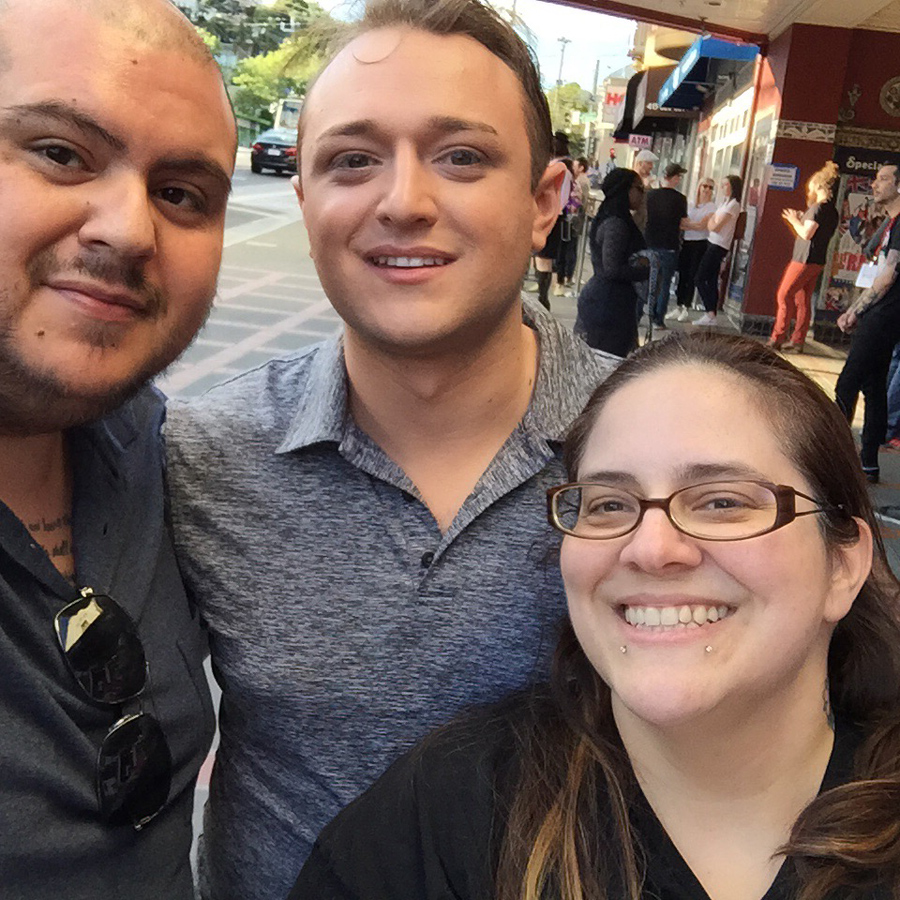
{"type": "Point", "coordinates": [708, 276]}
{"type": "Point", "coordinates": [866, 370]}
{"type": "Point", "coordinates": [688, 263]}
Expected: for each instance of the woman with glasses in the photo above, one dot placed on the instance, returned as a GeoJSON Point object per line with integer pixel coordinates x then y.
{"type": "Point", "coordinates": [608, 304]}
{"type": "Point", "coordinates": [693, 247]}
{"type": "Point", "coordinates": [723, 720]}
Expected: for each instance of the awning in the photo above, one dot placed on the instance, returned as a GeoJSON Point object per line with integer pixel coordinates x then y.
{"type": "Point", "coordinates": [695, 75]}
{"type": "Point", "coordinates": [639, 113]}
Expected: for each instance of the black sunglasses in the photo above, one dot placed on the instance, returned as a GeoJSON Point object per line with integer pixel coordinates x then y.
{"type": "Point", "coordinates": [101, 646]}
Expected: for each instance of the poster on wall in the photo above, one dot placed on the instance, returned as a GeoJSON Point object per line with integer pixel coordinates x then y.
{"type": "Point", "coordinates": [860, 217]}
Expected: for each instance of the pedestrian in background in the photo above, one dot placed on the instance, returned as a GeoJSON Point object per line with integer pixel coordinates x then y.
{"type": "Point", "coordinates": [814, 229]}
{"type": "Point", "coordinates": [666, 216]}
{"type": "Point", "coordinates": [693, 247]}
{"type": "Point", "coordinates": [874, 320]}
{"type": "Point", "coordinates": [545, 259]}
{"type": "Point", "coordinates": [607, 306]}
{"type": "Point", "coordinates": [721, 228]}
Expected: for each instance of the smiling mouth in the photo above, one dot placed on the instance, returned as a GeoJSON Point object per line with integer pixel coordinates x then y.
{"type": "Point", "coordinates": [686, 616]}
{"type": "Point", "coordinates": [407, 262]}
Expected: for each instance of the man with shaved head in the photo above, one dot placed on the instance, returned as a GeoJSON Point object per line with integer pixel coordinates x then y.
{"type": "Point", "coordinates": [116, 150]}
{"type": "Point", "coordinates": [364, 524]}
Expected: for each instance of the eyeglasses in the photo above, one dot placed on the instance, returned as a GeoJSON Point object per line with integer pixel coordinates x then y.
{"type": "Point", "coordinates": [707, 187]}
{"type": "Point", "coordinates": [102, 649]}
{"type": "Point", "coordinates": [713, 511]}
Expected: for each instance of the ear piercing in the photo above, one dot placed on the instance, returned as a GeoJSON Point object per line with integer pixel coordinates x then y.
{"type": "Point", "coordinates": [623, 648]}
{"type": "Point", "coordinates": [708, 648]}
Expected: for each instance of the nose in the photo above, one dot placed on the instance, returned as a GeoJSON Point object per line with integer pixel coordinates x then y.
{"type": "Point", "coordinates": [120, 216]}
{"type": "Point", "coordinates": [408, 199]}
{"type": "Point", "coordinates": [657, 545]}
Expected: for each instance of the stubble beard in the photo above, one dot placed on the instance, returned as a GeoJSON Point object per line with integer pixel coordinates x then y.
{"type": "Point", "coordinates": [36, 400]}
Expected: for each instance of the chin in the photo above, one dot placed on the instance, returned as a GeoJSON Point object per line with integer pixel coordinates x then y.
{"type": "Point", "coordinates": [662, 703]}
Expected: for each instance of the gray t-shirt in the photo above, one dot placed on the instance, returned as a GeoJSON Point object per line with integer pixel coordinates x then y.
{"type": "Point", "coordinates": [344, 625]}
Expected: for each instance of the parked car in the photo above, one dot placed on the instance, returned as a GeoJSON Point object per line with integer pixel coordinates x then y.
{"type": "Point", "coordinates": [274, 149]}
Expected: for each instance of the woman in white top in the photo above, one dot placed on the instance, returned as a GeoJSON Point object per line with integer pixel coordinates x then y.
{"type": "Point", "coordinates": [721, 227]}
{"type": "Point", "coordinates": [693, 247]}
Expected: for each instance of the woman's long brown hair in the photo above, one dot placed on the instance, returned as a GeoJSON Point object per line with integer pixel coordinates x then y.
{"type": "Point", "coordinates": [569, 834]}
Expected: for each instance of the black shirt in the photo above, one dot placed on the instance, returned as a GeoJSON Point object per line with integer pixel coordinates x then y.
{"type": "Point", "coordinates": [666, 207]}
{"type": "Point", "coordinates": [812, 252]}
{"type": "Point", "coordinates": [888, 307]}
{"type": "Point", "coordinates": [429, 829]}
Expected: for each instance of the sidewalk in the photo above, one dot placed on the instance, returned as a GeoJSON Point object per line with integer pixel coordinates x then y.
{"type": "Point", "coordinates": [823, 364]}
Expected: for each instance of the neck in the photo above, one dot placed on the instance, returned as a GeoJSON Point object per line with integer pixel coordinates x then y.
{"type": "Point", "coordinates": [462, 391]}
{"type": "Point", "coordinates": [893, 207]}
{"type": "Point", "coordinates": [28, 465]}
{"type": "Point", "coordinates": [443, 417]}
{"type": "Point", "coordinates": [769, 759]}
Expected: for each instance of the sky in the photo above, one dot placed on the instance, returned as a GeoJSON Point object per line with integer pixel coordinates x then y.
{"type": "Point", "coordinates": [593, 37]}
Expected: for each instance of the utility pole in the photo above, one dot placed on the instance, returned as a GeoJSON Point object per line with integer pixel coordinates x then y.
{"type": "Point", "coordinates": [562, 55]}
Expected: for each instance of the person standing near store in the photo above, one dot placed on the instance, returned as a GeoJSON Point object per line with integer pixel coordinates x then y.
{"type": "Point", "coordinates": [874, 320]}
{"type": "Point", "coordinates": [666, 217]}
{"type": "Point", "coordinates": [607, 306]}
{"type": "Point", "coordinates": [693, 247]}
{"type": "Point", "coordinates": [721, 228]}
{"type": "Point", "coordinates": [814, 229]}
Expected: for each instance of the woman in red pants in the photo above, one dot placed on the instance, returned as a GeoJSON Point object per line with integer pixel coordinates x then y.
{"type": "Point", "coordinates": [813, 229]}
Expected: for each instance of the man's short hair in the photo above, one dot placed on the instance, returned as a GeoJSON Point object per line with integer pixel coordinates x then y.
{"type": "Point", "coordinates": [477, 20]}
{"type": "Point", "coordinates": [673, 169]}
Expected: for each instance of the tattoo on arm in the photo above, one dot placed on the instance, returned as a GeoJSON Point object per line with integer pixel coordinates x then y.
{"type": "Point", "coordinates": [872, 295]}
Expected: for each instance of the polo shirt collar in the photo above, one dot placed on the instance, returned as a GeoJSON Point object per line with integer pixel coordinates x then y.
{"type": "Point", "coordinates": [322, 412]}
{"type": "Point", "coordinates": [322, 409]}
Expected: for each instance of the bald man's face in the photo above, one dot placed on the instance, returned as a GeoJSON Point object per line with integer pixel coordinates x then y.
{"type": "Point", "coordinates": [114, 174]}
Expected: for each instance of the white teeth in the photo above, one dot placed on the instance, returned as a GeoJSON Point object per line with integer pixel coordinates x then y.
{"type": "Point", "coordinates": [409, 262]}
{"type": "Point", "coordinates": [669, 616]}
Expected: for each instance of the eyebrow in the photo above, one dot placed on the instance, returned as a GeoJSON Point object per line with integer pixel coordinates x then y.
{"type": "Point", "coordinates": [63, 113]}
{"type": "Point", "coordinates": [439, 124]}
{"type": "Point", "coordinates": [694, 473]}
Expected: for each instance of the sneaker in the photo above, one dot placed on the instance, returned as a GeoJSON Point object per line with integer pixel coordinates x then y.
{"type": "Point", "coordinates": [798, 348]}
{"type": "Point", "coordinates": [683, 314]}
{"type": "Point", "coordinates": [774, 345]}
{"type": "Point", "coordinates": [893, 444]}
{"type": "Point", "coordinates": [871, 474]}
{"type": "Point", "coordinates": [558, 290]}
{"type": "Point", "coordinates": [706, 319]}
{"type": "Point", "coordinates": [674, 313]}
{"type": "Point", "coordinates": [659, 325]}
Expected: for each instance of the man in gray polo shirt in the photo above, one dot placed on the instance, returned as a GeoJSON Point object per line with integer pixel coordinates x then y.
{"type": "Point", "coordinates": [364, 523]}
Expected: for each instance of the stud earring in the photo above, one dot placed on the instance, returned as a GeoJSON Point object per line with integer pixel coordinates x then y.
{"type": "Point", "coordinates": [708, 648]}
{"type": "Point", "coordinates": [623, 648]}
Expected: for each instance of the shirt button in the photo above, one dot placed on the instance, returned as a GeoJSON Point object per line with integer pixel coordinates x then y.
{"type": "Point", "coordinates": [427, 559]}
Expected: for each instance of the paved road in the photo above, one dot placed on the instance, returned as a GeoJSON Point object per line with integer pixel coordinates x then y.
{"type": "Point", "coordinates": [269, 302]}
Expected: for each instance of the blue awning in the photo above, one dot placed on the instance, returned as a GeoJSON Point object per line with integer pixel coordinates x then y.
{"type": "Point", "coordinates": [694, 75]}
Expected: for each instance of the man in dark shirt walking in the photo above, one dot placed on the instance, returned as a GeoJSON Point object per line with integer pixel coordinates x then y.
{"type": "Point", "coordinates": [666, 214]}
{"type": "Point", "coordinates": [874, 320]}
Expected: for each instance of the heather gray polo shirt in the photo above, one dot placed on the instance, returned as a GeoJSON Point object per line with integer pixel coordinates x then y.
{"type": "Point", "coordinates": [344, 625]}
{"type": "Point", "coordinates": [53, 844]}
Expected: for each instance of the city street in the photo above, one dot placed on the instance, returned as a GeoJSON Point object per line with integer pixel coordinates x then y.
{"type": "Point", "coordinates": [270, 302]}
